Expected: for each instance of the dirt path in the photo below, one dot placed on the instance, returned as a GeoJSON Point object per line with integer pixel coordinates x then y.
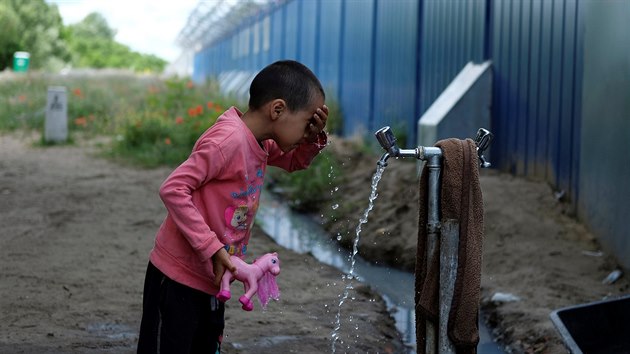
{"type": "Point", "coordinates": [75, 234]}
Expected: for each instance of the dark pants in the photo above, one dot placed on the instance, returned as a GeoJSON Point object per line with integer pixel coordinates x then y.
{"type": "Point", "coordinates": [177, 318]}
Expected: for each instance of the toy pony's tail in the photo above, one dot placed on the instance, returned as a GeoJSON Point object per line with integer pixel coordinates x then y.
{"type": "Point", "coordinates": [267, 289]}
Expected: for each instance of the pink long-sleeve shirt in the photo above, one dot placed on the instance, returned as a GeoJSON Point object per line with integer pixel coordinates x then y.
{"type": "Point", "coordinates": [212, 198]}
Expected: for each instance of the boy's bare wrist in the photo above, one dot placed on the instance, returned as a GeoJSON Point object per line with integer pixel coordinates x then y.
{"type": "Point", "coordinates": [217, 253]}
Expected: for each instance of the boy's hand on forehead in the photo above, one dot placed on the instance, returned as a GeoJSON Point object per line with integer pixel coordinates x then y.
{"type": "Point", "coordinates": [316, 124]}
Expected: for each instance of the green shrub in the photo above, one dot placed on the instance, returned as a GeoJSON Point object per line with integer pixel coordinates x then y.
{"type": "Point", "coordinates": [334, 125]}
{"type": "Point", "coordinates": [309, 189]}
{"type": "Point", "coordinates": [152, 140]}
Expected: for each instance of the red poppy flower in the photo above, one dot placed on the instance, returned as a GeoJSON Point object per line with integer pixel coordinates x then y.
{"type": "Point", "coordinates": [80, 121]}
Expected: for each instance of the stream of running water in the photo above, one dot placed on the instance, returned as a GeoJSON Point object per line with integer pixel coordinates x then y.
{"type": "Point", "coordinates": [355, 249]}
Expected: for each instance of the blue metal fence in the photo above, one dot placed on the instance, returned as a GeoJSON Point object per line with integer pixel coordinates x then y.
{"type": "Point", "coordinates": [536, 57]}
{"type": "Point", "coordinates": [356, 77]}
{"type": "Point", "coordinates": [453, 33]}
{"type": "Point", "coordinates": [329, 44]}
{"type": "Point", "coordinates": [387, 61]}
{"type": "Point", "coordinates": [394, 63]}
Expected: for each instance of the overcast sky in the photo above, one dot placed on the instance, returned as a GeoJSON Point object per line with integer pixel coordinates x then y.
{"type": "Point", "coordinates": [146, 26]}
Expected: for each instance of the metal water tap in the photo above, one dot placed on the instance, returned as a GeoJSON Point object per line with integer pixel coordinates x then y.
{"type": "Point", "coordinates": [483, 140]}
{"type": "Point", "coordinates": [386, 138]}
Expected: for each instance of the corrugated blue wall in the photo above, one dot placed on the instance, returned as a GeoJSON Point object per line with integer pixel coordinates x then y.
{"type": "Point", "coordinates": [356, 78]}
{"type": "Point", "coordinates": [292, 21]}
{"type": "Point", "coordinates": [329, 45]}
{"type": "Point", "coordinates": [307, 39]}
{"type": "Point", "coordinates": [453, 33]}
{"type": "Point", "coordinates": [364, 51]}
{"type": "Point", "coordinates": [395, 56]}
{"type": "Point", "coordinates": [386, 61]}
{"type": "Point", "coordinates": [536, 55]}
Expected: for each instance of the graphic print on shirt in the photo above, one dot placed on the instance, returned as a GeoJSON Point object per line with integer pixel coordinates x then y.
{"type": "Point", "coordinates": [236, 217]}
{"type": "Point", "coordinates": [239, 218]}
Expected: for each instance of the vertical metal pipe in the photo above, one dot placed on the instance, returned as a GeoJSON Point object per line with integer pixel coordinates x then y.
{"type": "Point", "coordinates": [433, 159]}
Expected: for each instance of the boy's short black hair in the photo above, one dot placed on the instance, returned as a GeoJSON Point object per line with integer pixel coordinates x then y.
{"type": "Point", "coordinates": [288, 80]}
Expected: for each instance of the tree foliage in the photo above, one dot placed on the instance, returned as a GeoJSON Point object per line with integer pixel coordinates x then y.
{"type": "Point", "coordinates": [9, 22]}
{"type": "Point", "coordinates": [36, 27]}
{"type": "Point", "coordinates": [32, 26]}
{"type": "Point", "coordinates": [92, 44]}
{"type": "Point", "coordinates": [93, 25]}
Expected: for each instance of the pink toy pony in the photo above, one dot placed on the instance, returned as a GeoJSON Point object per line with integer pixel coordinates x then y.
{"type": "Point", "coordinates": [258, 277]}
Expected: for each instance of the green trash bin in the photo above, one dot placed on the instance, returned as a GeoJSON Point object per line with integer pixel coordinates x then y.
{"type": "Point", "coordinates": [21, 61]}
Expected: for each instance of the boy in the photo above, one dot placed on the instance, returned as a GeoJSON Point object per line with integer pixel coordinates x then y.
{"type": "Point", "coordinates": [212, 198]}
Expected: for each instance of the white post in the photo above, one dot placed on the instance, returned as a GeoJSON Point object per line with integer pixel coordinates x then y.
{"type": "Point", "coordinates": [56, 129]}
